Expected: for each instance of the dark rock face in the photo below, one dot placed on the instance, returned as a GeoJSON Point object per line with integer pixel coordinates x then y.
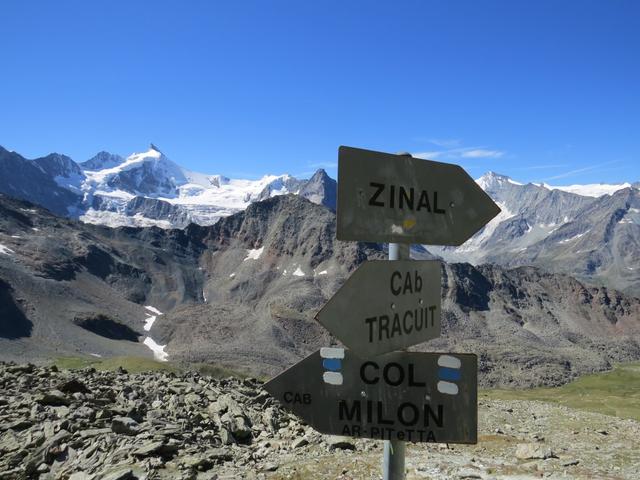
{"type": "Point", "coordinates": [57, 165]}
{"type": "Point", "coordinates": [107, 327]}
{"type": "Point", "coordinates": [321, 189]}
{"type": "Point", "coordinates": [13, 322]}
{"type": "Point", "coordinates": [27, 180]}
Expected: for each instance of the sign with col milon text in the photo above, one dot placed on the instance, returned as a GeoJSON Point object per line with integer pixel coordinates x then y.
{"type": "Point", "coordinates": [386, 306]}
{"type": "Point", "coordinates": [408, 396]}
{"type": "Point", "coordinates": [393, 198]}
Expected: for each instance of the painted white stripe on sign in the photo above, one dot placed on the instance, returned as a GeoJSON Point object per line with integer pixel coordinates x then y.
{"type": "Point", "coordinates": [448, 388]}
{"type": "Point", "coordinates": [449, 361]}
{"type": "Point", "coordinates": [332, 378]}
{"type": "Point", "coordinates": [330, 352]}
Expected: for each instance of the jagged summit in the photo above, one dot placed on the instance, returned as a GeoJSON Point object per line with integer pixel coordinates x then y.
{"type": "Point", "coordinates": [321, 189]}
{"type": "Point", "coordinates": [102, 160]}
{"type": "Point", "coordinates": [492, 180]}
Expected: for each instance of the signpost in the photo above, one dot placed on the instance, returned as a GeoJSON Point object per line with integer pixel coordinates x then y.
{"type": "Point", "coordinates": [395, 198]}
{"type": "Point", "coordinates": [407, 396]}
{"type": "Point", "coordinates": [386, 306]}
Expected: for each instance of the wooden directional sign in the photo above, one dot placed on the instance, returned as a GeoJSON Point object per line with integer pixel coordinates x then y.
{"type": "Point", "coordinates": [411, 396]}
{"type": "Point", "coordinates": [393, 198]}
{"type": "Point", "coordinates": [386, 306]}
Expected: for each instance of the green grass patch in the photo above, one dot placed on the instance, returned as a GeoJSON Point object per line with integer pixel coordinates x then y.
{"type": "Point", "coordinates": [130, 364]}
{"type": "Point", "coordinates": [612, 393]}
{"type": "Point", "coordinates": [221, 371]}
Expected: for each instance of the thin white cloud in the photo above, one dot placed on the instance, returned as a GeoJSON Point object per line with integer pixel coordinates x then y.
{"type": "Point", "coordinates": [445, 142]}
{"type": "Point", "coordinates": [458, 153]}
{"type": "Point", "coordinates": [577, 171]}
{"type": "Point", "coordinates": [427, 155]}
{"type": "Point", "coordinates": [543, 167]}
{"type": "Point", "coordinates": [482, 153]}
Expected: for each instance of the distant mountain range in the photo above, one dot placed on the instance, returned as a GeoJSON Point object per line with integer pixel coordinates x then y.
{"type": "Point", "coordinates": [143, 189]}
{"type": "Point", "coordinates": [593, 238]}
{"type": "Point", "coordinates": [589, 231]}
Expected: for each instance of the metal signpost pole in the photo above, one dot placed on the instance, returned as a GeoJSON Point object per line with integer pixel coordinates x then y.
{"type": "Point", "coordinates": [393, 459]}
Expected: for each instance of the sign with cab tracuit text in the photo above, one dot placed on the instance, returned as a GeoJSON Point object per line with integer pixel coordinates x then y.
{"type": "Point", "coordinates": [409, 396]}
{"type": "Point", "coordinates": [386, 306]}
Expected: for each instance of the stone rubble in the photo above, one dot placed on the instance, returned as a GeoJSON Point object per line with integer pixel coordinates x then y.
{"type": "Point", "coordinates": [94, 425]}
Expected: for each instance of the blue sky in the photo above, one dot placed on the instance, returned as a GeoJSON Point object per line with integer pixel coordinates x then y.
{"type": "Point", "coordinates": [540, 90]}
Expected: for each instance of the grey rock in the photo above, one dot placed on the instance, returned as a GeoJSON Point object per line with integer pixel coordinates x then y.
{"type": "Point", "coordinates": [533, 451]}
{"type": "Point", "coordinates": [117, 474]}
{"type": "Point", "coordinates": [299, 443]}
{"type": "Point", "coordinates": [125, 426]}
{"type": "Point", "coordinates": [340, 443]}
{"type": "Point", "coordinates": [53, 398]}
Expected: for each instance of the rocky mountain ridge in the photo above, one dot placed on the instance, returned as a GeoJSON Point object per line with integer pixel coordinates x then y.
{"type": "Point", "coordinates": [243, 292]}
{"type": "Point", "coordinates": [592, 238]}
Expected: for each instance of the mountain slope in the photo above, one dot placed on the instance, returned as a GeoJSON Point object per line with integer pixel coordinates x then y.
{"type": "Point", "coordinates": [243, 293]}
{"type": "Point", "coordinates": [32, 181]}
{"type": "Point", "coordinates": [592, 238]}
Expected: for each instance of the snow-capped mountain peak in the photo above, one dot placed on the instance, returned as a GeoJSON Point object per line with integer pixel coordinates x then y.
{"type": "Point", "coordinates": [591, 190]}
{"type": "Point", "coordinates": [492, 180]}
{"type": "Point", "coordinates": [102, 160]}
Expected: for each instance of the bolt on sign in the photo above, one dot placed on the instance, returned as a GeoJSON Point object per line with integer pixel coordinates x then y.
{"type": "Point", "coordinates": [392, 198]}
{"type": "Point", "coordinates": [407, 396]}
{"type": "Point", "coordinates": [386, 306]}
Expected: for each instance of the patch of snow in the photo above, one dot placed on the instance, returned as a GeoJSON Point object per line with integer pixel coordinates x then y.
{"type": "Point", "coordinates": [590, 190]}
{"type": "Point", "coordinates": [4, 250]}
{"type": "Point", "coordinates": [634, 210]}
{"type": "Point", "coordinates": [254, 254]}
{"type": "Point", "coordinates": [285, 272]}
{"type": "Point", "coordinates": [148, 322]}
{"type": "Point", "coordinates": [117, 219]}
{"type": "Point", "coordinates": [323, 272]}
{"type": "Point", "coordinates": [153, 310]}
{"type": "Point", "coordinates": [204, 296]}
{"type": "Point", "coordinates": [298, 272]}
{"type": "Point", "coordinates": [97, 355]}
{"type": "Point", "coordinates": [513, 182]}
{"type": "Point", "coordinates": [158, 350]}
{"type": "Point", "coordinates": [16, 236]}
{"type": "Point", "coordinates": [626, 220]}
{"type": "Point", "coordinates": [475, 242]}
{"type": "Point", "coordinates": [29, 210]}
{"type": "Point", "coordinates": [231, 275]}
{"type": "Point", "coordinates": [575, 237]}
{"type": "Point", "coordinates": [35, 229]}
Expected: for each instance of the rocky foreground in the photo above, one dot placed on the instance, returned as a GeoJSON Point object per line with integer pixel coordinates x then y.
{"type": "Point", "coordinates": [86, 424]}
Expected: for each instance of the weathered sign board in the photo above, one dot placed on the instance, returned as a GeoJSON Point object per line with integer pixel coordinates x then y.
{"type": "Point", "coordinates": [386, 306]}
{"type": "Point", "coordinates": [392, 198]}
{"type": "Point", "coordinates": [407, 396]}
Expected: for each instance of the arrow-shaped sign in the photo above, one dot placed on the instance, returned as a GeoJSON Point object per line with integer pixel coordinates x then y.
{"type": "Point", "coordinates": [394, 198]}
{"type": "Point", "coordinates": [386, 306]}
{"type": "Point", "coordinates": [410, 396]}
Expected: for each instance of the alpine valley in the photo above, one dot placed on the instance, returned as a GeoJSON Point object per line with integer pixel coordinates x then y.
{"type": "Point", "coordinates": [138, 256]}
